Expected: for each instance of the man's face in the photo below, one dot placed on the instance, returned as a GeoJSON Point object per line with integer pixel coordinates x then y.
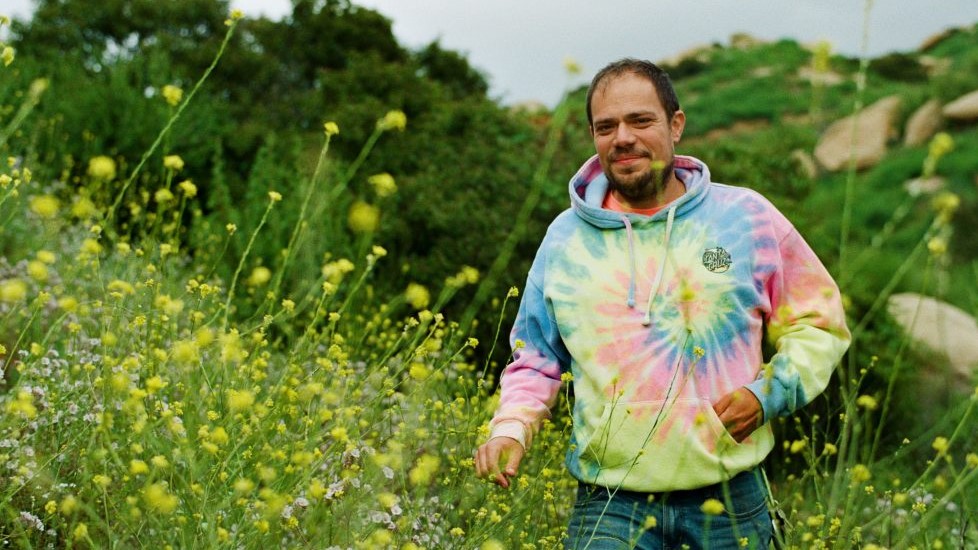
{"type": "Point", "coordinates": [634, 140]}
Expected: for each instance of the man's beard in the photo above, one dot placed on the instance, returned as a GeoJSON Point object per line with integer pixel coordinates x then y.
{"type": "Point", "coordinates": [641, 187]}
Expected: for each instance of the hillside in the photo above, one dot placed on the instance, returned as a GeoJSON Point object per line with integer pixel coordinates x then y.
{"type": "Point", "coordinates": [756, 113]}
{"type": "Point", "coordinates": [256, 279]}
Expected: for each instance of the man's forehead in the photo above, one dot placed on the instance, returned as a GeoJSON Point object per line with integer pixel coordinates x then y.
{"type": "Point", "coordinates": [630, 98]}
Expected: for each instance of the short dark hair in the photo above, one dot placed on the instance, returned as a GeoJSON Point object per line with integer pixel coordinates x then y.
{"type": "Point", "coordinates": [659, 79]}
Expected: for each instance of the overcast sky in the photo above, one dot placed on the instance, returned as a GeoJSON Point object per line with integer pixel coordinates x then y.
{"type": "Point", "coordinates": [521, 45]}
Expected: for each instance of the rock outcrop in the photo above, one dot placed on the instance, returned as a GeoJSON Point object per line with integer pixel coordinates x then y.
{"type": "Point", "coordinates": [923, 124]}
{"type": "Point", "coordinates": [963, 108]}
{"type": "Point", "coordinates": [940, 327]}
{"type": "Point", "coordinates": [876, 127]}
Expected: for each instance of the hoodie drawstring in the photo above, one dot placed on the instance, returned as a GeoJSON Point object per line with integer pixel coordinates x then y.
{"type": "Point", "coordinates": [631, 258]}
{"type": "Point", "coordinates": [647, 319]}
{"type": "Point", "coordinates": [662, 267]}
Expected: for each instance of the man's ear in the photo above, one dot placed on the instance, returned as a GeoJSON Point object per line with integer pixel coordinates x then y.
{"type": "Point", "coordinates": [677, 124]}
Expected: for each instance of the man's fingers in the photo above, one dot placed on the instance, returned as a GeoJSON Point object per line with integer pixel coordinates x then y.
{"type": "Point", "coordinates": [489, 455]}
{"type": "Point", "coordinates": [484, 461]}
{"type": "Point", "coordinates": [513, 464]}
{"type": "Point", "coordinates": [501, 480]}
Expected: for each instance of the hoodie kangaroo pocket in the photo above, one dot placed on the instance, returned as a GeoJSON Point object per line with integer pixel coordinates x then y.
{"type": "Point", "coordinates": [658, 439]}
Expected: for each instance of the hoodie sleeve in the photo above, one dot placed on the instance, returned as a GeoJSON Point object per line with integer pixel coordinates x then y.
{"type": "Point", "coordinates": [806, 326]}
{"type": "Point", "coordinates": [530, 383]}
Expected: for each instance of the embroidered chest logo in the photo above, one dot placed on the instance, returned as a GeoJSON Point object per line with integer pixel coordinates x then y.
{"type": "Point", "coordinates": [717, 260]}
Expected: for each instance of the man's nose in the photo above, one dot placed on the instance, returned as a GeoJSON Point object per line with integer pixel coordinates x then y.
{"type": "Point", "coordinates": [623, 134]}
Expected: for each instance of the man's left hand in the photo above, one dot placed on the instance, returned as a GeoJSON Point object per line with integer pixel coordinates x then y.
{"type": "Point", "coordinates": [740, 412]}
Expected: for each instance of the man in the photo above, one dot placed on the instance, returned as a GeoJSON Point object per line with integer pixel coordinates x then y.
{"type": "Point", "coordinates": [653, 292]}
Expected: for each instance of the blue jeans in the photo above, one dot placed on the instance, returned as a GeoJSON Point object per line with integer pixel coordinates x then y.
{"type": "Point", "coordinates": [605, 519]}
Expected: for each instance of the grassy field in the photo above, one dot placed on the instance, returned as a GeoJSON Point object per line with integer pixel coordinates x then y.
{"type": "Point", "coordinates": [148, 402]}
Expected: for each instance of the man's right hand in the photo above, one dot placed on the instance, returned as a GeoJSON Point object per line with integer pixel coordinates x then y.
{"type": "Point", "coordinates": [491, 454]}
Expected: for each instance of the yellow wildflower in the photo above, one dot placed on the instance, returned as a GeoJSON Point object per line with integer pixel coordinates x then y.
{"type": "Point", "coordinates": [157, 498]}
{"type": "Point", "coordinates": [38, 86]}
{"type": "Point", "coordinates": [80, 532]}
{"type": "Point", "coordinates": [118, 286]}
{"type": "Point", "coordinates": [393, 120]}
{"type": "Point", "coordinates": [941, 144]}
{"type": "Point", "coordinates": [424, 469]}
{"type": "Point", "coordinates": [188, 188]}
{"type": "Point", "coordinates": [13, 290]}
{"type": "Point", "coordinates": [101, 168]}
{"type": "Point", "coordinates": [331, 128]}
{"type": "Point", "coordinates": [83, 208]}
{"type": "Point", "coordinates": [23, 405]}
{"type": "Point", "coordinates": [240, 400]}
{"type": "Point", "coordinates": [68, 505]}
{"type": "Point", "coordinates": [383, 184]}
{"type": "Point", "coordinates": [417, 296]}
{"type": "Point", "coordinates": [945, 204]}
{"type": "Point", "coordinates": [387, 500]}
{"type": "Point", "coordinates": [7, 55]}
{"type": "Point", "coordinates": [173, 162]}
{"type": "Point", "coordinates": [163, 195]}
{"type": "Point", "coordinates": [172, 94]}
{"type": "Point", "coordinates": [45, 206]}
{"type": "Point", "coordinates": [821, 56]}
{"type": "Point", "coordinates": [259, 276]}
{"type": "Point", "coordinates": [137, 467]}
{"type": "Point", "coordinates": [860, 473]}
{"type": "Point", "coordinates": [185, 351]}
{"type": "Point", "coordinates": [712, 507]}
{"type": "Point", "coordinates": [333, 272]}
{"type": "Point", "coordinates": [941, 445]}
{"type": "Point", "coordinates": [155, 384]}
{"type": "Point", "coordinates": [274, 196]}
{"type": "Point", "coordinates": [46, 256]}
{"type": "Point", "coordinates": [418, 371]}
{"type": "Point", "coordinates": [219, 435]}
{"type": "Point", "coordinates": [243, 486]}
{"type": "Point", "coordinates": [101, 480]}
{"type": "Point", "coordinates": [38, 270]}
{"type": "Point", "coordinates": [363, 218]}
{"type": "Point", "coordinates": [466, 276]}
{"type": "Point", "coordinates": [91, 246]}
{"type": "Point", "coordinates": [867, 402]}
{"type": "Point", "coordinates": [572, 66]}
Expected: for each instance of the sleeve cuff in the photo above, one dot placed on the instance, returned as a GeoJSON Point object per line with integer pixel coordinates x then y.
{"type": "Point", "coordinates": [762, 391]}
{"type": "Point", "coordinates": [513, 429]}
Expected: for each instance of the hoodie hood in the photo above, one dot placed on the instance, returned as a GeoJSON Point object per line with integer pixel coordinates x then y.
{"type": "Point", "coordinates": [587, 191]}
{"type": "Point", "coordinates": [589, 185]}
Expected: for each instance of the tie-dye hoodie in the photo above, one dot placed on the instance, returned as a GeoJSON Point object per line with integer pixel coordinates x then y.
{"type": "Point", "coordinates": [657, 317]}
